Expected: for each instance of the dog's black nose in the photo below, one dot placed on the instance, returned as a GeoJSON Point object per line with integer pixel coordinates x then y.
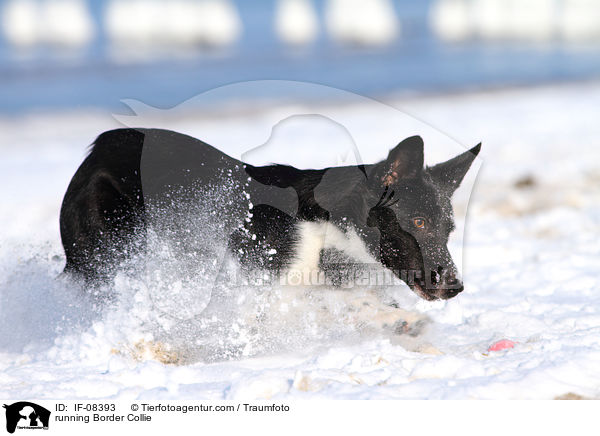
{"type": "Point", "coordinates": [446, 283]}
{"type": "Point", "coordinates": [450, 278]}
{"type": "Point", "coordinates": [445, 277]}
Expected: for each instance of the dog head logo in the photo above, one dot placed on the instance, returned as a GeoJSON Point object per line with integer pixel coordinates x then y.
{"type": "Point", "coordinates": [398, 208]}
{"type": "Point", "coordinates": [26, 415]}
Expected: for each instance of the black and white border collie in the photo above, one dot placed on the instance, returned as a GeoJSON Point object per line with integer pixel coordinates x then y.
{"type": "Point", "coordinates": [276, 217]}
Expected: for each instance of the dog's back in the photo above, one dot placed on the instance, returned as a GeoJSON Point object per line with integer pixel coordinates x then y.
{"type": "Point", "coordinates": [130, 170]}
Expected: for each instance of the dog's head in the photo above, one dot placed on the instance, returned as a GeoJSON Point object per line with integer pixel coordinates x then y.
{"type": "Point", "coordinates": [414, 217]}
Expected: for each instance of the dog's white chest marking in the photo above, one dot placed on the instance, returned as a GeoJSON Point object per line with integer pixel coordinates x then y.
{"type": "Point", "coordinates": [313, 237]}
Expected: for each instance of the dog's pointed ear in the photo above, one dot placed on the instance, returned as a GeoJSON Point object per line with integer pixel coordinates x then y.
{"type": "Point", "coordinates": [451, 173]}
{"type": "Point", "coordinates": [405, 161]}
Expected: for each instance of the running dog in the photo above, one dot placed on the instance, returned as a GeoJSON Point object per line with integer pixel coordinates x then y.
{"type": "Point", "coordinates": [395, 213]}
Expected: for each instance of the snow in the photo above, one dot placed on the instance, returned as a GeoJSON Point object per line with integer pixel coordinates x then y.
{"type": "Point", "coordinates": [578, 22]}
{"type": "Point", "coordinates": [352, 22]}
{"type": "Point", "coordinates": [573, 21]}
{"type": "Point", "coordinates": [214, 23]}
{"type": "Point", "coordinates": [296, 22]}
{"type": "Point", "coordinates": [63, 23]}
{"type": "Point", "coordinates": [530, 265]}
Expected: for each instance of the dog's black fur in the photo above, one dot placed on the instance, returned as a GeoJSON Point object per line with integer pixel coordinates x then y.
{"type": "Point", "coordinates": [399, 210]}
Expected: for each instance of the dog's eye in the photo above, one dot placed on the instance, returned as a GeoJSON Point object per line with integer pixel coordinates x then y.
{"type": "Point", "coordinates": [419, 222]}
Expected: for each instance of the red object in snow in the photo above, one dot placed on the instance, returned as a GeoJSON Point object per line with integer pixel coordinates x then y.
{"type": "Point", "coordinates": [502, 344]}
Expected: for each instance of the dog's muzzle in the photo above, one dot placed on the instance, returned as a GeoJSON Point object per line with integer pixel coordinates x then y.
{"type": "Point", "coordinates": [440, 284]}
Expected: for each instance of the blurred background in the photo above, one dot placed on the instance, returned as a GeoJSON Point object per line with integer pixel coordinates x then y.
{"type": "Point", "coordinates": [84, 53]}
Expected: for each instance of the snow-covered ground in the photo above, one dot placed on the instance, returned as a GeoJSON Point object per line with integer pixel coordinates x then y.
{"type": "Point", "coordinates": [530, 264]}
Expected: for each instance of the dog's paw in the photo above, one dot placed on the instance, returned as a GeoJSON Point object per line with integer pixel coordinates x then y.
{"type": "Point", "coordinates": [372, 311]}
{"type": "Point", "coordinates": [413, 329]}
{"type": "Point", "coordinates": [402, 322]}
